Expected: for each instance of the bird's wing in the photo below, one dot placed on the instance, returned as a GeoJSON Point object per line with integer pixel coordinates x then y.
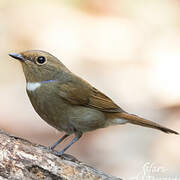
{"type": "Point", "coordinates": [100, 101]}
{"type": "Point", "coordinates": [84, 94]}
{"type": "Point", "coordinates": [74, 93]}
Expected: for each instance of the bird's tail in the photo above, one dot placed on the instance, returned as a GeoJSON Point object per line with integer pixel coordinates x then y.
{"type": "Point", "coordinates": [143, 122]}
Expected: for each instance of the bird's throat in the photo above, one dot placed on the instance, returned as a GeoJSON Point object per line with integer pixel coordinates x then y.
{"type": "Point", "coordinates": [32, 86]}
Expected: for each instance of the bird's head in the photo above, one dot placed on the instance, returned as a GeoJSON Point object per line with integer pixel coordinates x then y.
{"type": "Point", "coordinates": [39, 65]}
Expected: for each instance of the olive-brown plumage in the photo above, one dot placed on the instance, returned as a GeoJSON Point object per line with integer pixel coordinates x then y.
{"type": "Point", "coordinates": [67, 102]}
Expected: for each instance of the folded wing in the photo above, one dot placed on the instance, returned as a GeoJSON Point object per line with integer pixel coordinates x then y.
{"type": "Point", "coordinates": [84, 94]}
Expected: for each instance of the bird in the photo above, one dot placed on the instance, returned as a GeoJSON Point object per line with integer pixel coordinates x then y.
{"type": "Point", "coordinates": [67, 102]}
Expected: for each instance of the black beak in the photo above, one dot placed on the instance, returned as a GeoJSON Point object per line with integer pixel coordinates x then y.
{"type": "Point", "coordinates": [17, 56]}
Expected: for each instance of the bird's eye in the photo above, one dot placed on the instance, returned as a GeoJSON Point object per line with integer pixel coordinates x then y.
{"type": "Point", "coordinates": [41, 60]}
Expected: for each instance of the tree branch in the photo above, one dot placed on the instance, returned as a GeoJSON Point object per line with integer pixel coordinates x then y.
{"type": "Point", "coordinates": [21, 159]}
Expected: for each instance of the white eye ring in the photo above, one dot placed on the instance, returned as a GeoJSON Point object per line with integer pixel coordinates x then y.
{"type": "Point", "coordinates": [41, 60]}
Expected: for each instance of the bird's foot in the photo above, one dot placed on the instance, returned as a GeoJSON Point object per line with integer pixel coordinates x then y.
{"type": "Point", "coordinates": [67, 157]}
{"type": "Point", "coordinates": [50, 148]}
{"type": "Point", "coordinates": [60, 153]}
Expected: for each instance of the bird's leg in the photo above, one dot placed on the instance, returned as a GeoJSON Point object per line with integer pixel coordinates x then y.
{"type": "Point", "coordinates": [59, 141]}
{"type": "Point", "coordinates": [76, 138]}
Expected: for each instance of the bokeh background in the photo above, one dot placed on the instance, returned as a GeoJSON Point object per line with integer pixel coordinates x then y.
{"type": "Point", "coordinates": [128, 49]}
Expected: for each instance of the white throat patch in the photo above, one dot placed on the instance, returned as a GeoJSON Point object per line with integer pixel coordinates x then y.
{"type": "Point", "coordinates": [32, 86]}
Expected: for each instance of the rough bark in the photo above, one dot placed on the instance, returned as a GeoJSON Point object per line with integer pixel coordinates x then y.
{"type": "Point", "coordinates": [21, 159]}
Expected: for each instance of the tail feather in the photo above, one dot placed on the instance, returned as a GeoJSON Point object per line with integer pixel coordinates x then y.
{"type": "Point", "coordinates": [143, 122]}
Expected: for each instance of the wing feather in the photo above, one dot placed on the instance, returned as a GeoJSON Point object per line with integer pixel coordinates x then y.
{"type": "Point", "coordinates": [84, 94]}
{"type": "Point", "coordinates": [100, 101]}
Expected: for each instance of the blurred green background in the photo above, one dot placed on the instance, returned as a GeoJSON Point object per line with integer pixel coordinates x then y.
{"type": "Point", "coordinates": [130, 50]}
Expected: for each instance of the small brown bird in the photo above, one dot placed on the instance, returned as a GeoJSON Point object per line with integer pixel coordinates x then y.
{"type": "Point", "coordinates": [67, 102]}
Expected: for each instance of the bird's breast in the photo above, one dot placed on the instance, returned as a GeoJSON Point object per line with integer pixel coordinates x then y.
{"type": "Point", "coordinates": [48, 104]}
